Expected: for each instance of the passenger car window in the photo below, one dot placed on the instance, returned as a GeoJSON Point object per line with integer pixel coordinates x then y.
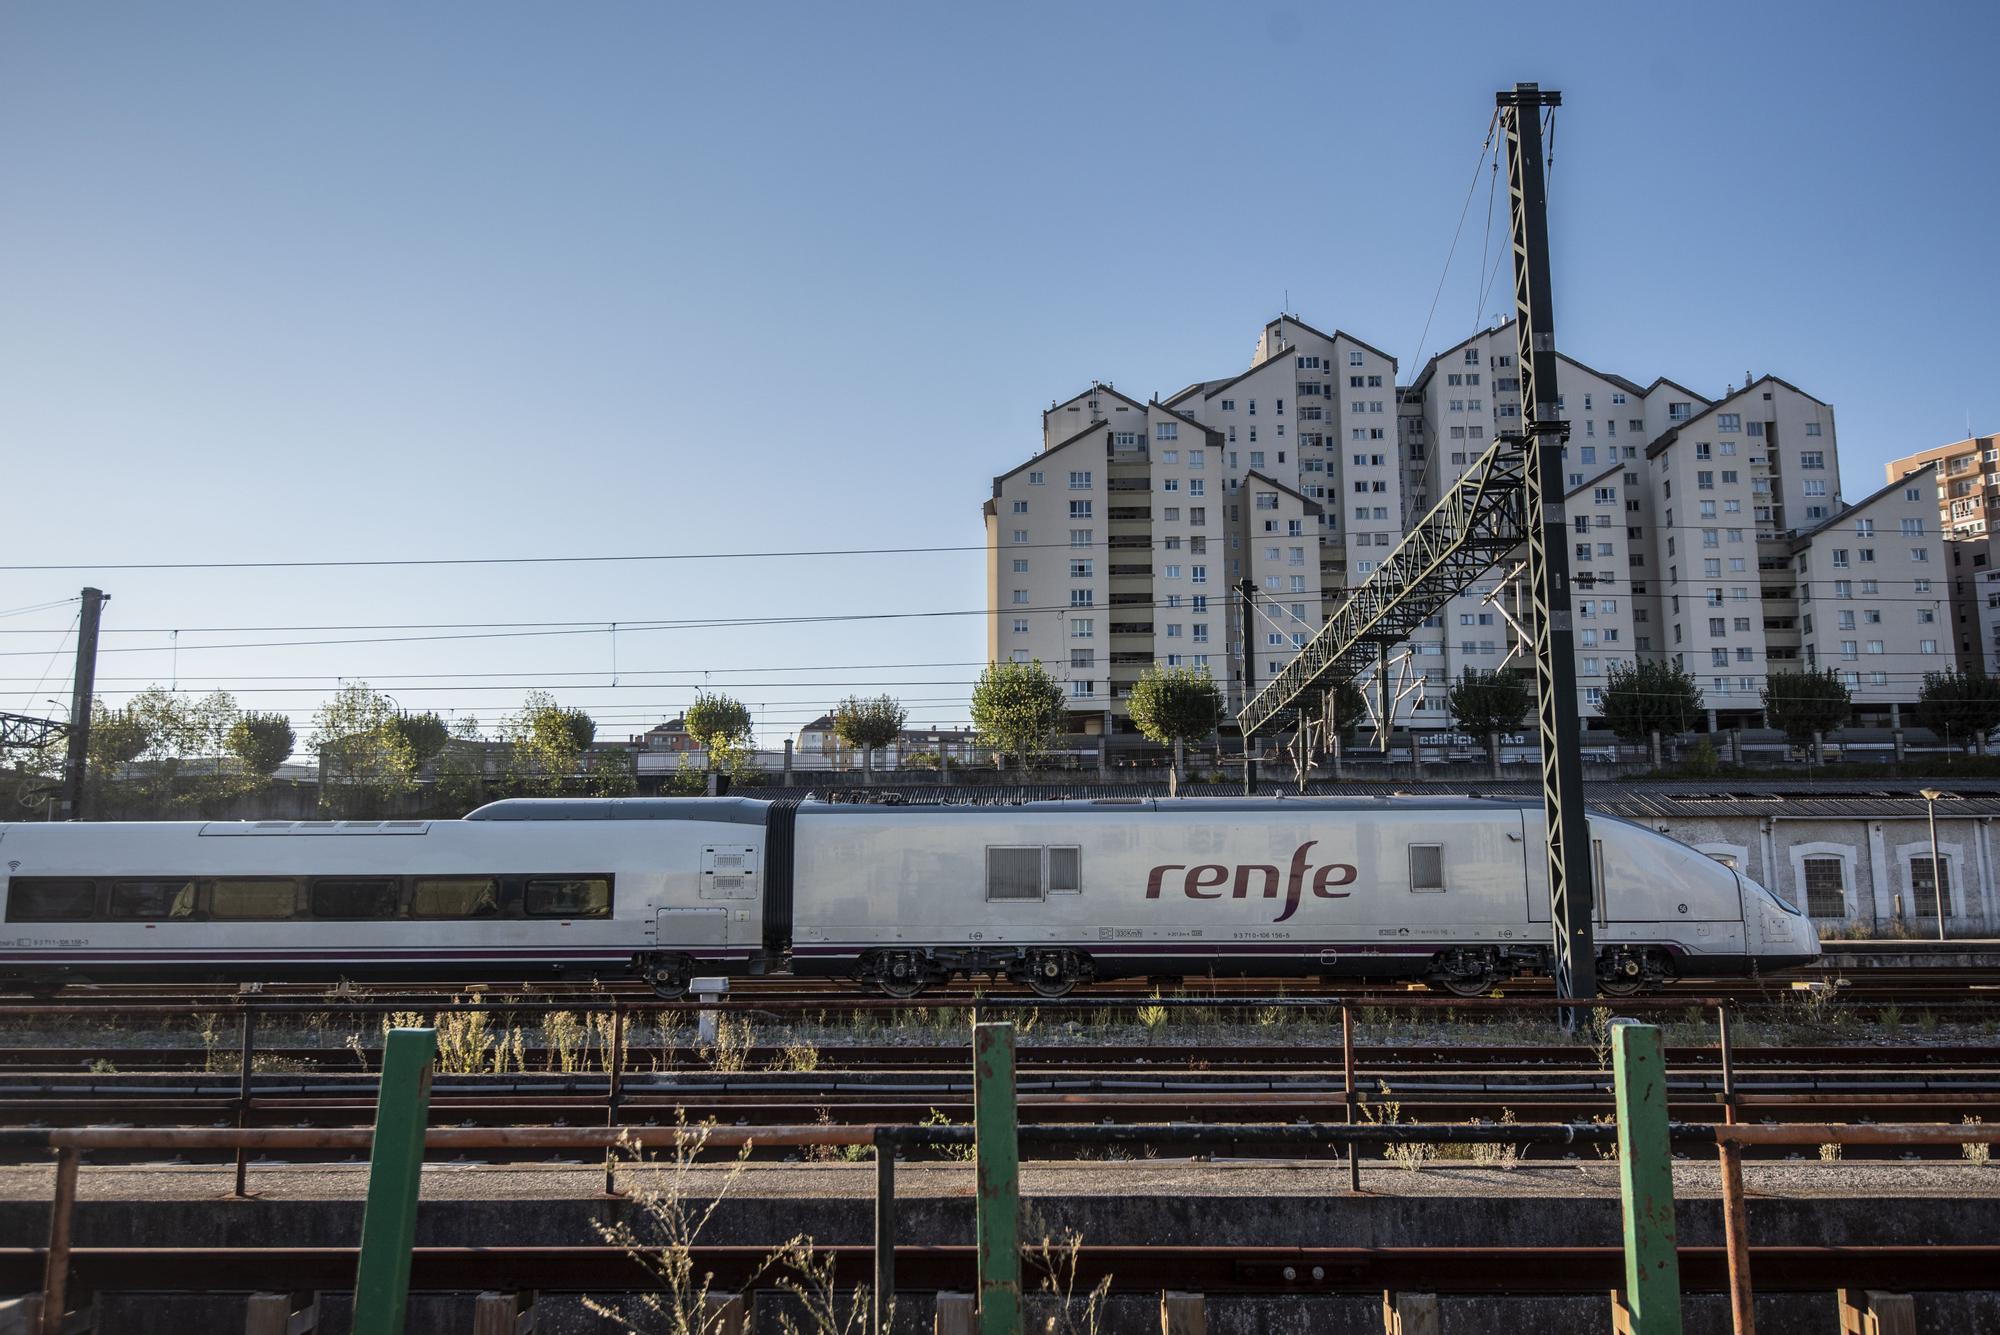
{"type": "Point", "coordinates": [472, 897]}
{"type": "Point", "coordinates": [253, 899]}
{"type": "Point", "coordinates": [30, 900]}
{"type": "Point", "coordinates": [152, 900]}
{"type": "Point", "coordinates": [355, 899]}
{"type": "Point", "coordinates": [577, 897]}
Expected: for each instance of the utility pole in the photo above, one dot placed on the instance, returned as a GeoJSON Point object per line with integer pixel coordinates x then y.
{"type": "Point", "coordinates": [1247, 590]}
{"type": "Point", "coordinates": [1571, 901]}
{"type": "Point", "coordinates": [82, 692]}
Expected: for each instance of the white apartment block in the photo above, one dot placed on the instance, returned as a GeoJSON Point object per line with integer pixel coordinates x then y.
{"type": "Point", "coordinates": [1872, 598]}
{"type": "Point", "coordinates": [1706, 530]}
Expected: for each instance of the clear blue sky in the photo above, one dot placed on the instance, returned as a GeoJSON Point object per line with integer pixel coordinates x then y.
{"type": "Point", "coordinates": [313, 281]}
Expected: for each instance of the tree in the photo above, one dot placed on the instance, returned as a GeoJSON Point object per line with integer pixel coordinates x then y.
{"type": "Point", "coordinates": [868, 723]}
{"type": "Point", "coordinates": [1174, 706]}
{"type": "Point", "coordinates": [1350, 708]}
{"type": "Point", "coordinates": [612, 775]}
{"type": "Point", "coordinates": [262, 742]}
{"type": "Point", "coordinates": [1653, 695]}
{"type": "Point", "coordinates": [1959, 704]}
{"type": "Point", "coordinates": [721, 724]}
{"type": "Point", "coordinates": [1017, 708]}
{"type": "Point", "coordinates": [546, 743]}
{"type": "Point", "coordinates": [363, 759]}
{"type": "Point", "coordinates": [187, 759]}
{"type": "Point", "coordinates": [459, 775]}
{"type": "Point", "coordinates": [425, 734]}
{"type": "Point", "coordinates": [1486, 704]}
{"type": "Point", "coordinates": [1803, 705]}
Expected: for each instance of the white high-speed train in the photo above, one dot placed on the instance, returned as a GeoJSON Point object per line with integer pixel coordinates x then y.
{"type": "Point", "coordinates": [1052, 894]}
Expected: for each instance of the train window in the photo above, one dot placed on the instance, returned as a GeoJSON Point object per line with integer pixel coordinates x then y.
{"type": "Point", "coordinates": [34, 900]}
{"type": "Point", "coordinates": [571, 897]}
{"type": "Point", "coordinates": [468, 897]}
{"type": "Point", "coordinates": [152, 900]}
{"type": "Point", "coordinates": [253, 900]}
{"type": "Point", "coordinates": [1013, 873]}
{"type": "Point", "coordinates": [356, 899]}
{"type": "Point", "coordinates": [1427, 868]}
{"type": "Point", "coordinates": [1065, 871]}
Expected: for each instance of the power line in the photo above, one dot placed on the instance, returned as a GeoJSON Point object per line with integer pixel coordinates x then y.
{"type": "Point", "coordinates": [380, 562]}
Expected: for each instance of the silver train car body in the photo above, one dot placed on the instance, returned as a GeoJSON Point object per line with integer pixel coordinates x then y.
{"type": "Point", "coordinates": [430, 899]}
{"type": "Point", "coordinates": [1450, 890]}
{"type": "Point", "coordinates": [1052, 894]}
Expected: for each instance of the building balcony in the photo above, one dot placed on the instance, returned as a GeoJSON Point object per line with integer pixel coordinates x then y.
{"type": "Point", "coordinates": [1118, 513]}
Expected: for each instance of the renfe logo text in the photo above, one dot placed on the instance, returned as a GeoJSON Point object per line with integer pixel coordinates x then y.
{"type": "Point", "coordinates": [1204, 882]}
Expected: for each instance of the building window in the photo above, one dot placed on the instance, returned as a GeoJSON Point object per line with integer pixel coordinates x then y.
{"type": "Point", "coordinates": [1082, 628]}
{"type": "Point", "coordinates": [1082, 598]}
{"type": "Point", "coordinates": [1079, 481]}
{"type": "Point", "coordinates": [1081, 510]}
{"type": "Point", "coordinates": [1923, 891]}
{"type": "Point", "coordinates": [1166, 431]}
{"type": "Point", "coordinates": [1826, 888]}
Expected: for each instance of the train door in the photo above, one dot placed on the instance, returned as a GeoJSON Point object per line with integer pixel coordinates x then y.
{"type": "Point", "coordinates": [1535, 865]}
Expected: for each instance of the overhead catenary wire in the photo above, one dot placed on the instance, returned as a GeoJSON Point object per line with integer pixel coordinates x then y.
{"type": "Point", "coordinates": [1485, 148]}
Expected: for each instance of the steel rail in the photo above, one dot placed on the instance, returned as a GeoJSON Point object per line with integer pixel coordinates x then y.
{"type": "Point", "coordinates": [1205, 1269]}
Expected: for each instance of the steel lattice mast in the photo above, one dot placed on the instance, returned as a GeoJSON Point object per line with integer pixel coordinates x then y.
{"type": "Point", "coordinates": [1511, 495]}
{"type": "Point", "coordinates": [1570, 898]}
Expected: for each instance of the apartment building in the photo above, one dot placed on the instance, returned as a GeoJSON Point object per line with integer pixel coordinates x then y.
{"type": "Point", "coordinates": [1709, 530]}
{"type": "Point", "coordinates": [1968, 513]}
{"type": "Point", "coordinates": [1968, 484]}
{"type": "Point", "coordinates": [1871, 596]}
{"type": "Point", "coordinates": [1105, 550]}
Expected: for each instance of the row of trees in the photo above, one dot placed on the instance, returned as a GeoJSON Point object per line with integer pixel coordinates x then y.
{"type": "Point", "coordinates": [1018, 708]}
{"type": "Point", "coordinates": [167, 753]}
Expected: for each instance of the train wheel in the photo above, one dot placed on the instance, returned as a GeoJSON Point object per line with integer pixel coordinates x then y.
{"type": "Point", "coordinates": [900, 973]}
{"type": "Point", "coordinates": [1623, 973]}
{"type": "Point", "coordinates": [1053, 973]}
{"type": "Point", "coordinates": [1463, 973]}
{"type": "Point", "coordinates": [670, 975]}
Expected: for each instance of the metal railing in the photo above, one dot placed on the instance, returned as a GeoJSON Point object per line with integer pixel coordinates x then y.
{"type": "Point", "coordinates": [1647, 1301]}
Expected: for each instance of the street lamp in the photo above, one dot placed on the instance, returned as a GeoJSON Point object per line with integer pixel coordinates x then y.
{"type": "Point", "coordinates": [1931, 796]}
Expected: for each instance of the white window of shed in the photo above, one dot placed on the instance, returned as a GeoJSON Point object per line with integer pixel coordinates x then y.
{"type": "Point", "coordinates": [1427, 868]}
{"type": "Point", "coordinates": [1013, 873]}
{"type": "Point", "coordinates": [1065, 871]}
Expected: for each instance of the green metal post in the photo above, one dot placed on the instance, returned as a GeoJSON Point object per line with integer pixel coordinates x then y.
{"type": "Point", "coordinates": [395, 1169]}
{"type": "Point", "coordinates": [1652, 1293]}
{"type": "Point", "coordinates": [999, 1171]}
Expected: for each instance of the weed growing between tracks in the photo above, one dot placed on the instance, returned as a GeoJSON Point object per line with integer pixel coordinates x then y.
{"type": "Point", "coordinates": [1054, 1259]}
{"type": "Point", "coordinates": [1981, 1153]}
{"type": "Point", "coordinates": [667, 1225]}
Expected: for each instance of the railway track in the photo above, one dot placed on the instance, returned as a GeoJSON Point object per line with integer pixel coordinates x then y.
{"type": "Point", "coordinates": [878, 1084]}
